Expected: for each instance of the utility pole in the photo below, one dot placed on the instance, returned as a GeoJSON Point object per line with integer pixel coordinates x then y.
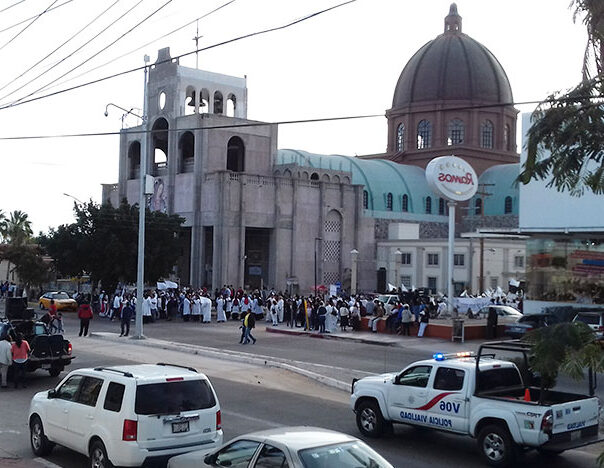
{"type": "Point", "coordinates": [142, 205]}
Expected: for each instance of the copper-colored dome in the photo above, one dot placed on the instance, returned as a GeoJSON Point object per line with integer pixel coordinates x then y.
{"type": "Point", "coordinates": [452, 67]}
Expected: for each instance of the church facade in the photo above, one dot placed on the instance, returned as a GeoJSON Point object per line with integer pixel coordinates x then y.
{"type": "Point", "coordinates": [259, 216]}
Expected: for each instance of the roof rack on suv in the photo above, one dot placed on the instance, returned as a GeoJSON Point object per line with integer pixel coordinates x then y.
{"type": "Point", "coordinates": [124, 373]}
{"type": "Point", "coordinates": [176, 365]}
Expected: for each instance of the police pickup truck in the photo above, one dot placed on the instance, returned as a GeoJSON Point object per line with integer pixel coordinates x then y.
{"type": "Point", "coordinates": [479, 396]}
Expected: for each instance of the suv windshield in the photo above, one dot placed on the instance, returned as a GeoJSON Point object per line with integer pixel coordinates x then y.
{"type": "Point", "coordinates": [345, 455]}
{"type": "Point", "coordinates": [173, 397]}
{"type": "Point", "coordinates": [589, 319]}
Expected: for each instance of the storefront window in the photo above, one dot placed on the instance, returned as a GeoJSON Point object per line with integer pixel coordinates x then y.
{"type": "Point", "coordinates": [565, 270]}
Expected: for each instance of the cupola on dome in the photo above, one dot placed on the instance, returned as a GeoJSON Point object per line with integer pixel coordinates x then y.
{"type": "Point", "coordinates": [452, 67]}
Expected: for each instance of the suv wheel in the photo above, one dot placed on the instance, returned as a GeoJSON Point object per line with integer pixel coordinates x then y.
{"type": "Point", "coordinates": [496, 446]}
{"type": "Point", "coordinates": [369, 419]}
{"type": "Point", "coordinates": [40, 444]}
{"type": "Point", "coordinates": [98, 456]}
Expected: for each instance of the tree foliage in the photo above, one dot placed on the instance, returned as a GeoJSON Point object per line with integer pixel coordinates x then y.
{"type": "Point", "coordinates": [103, 242]}
{"type": "Point", "coordinates": [566, 136]}
{"type": "Point", "coordinates": [565, 347]}
{"type": "Point", "coordinates": [30, 266]}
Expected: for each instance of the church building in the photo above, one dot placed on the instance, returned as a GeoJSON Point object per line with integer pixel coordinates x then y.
{"type": "Point", "coordinates": [259, 216]}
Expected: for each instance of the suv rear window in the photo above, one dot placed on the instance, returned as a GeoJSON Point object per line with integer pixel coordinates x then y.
{"type": "Point", "coordinates": [501, 378]}
{"type": "Point", "coordinates": [173, 397]}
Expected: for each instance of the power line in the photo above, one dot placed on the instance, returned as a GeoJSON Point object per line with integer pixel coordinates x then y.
{"type": "Point", "coordinates": [32, 17]}
{"type": "Point", "coordinates": [228, 41]}
{"type": "Point", "coordinates": [144, 45]}
{"type": "Point", "coordinates": [10, 6]}
{"type": "Point", "coordinates": [74, 52]}
{"type": "Point", "coordinates": [285, 122]}
{"type": "Point", "coordinates": [26, 27]}
{"type": "Point", "coordinates": [55, 50]}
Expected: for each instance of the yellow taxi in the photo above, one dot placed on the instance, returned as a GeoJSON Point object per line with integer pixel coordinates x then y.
{"type": "Point", "coordinates": [62, 301]}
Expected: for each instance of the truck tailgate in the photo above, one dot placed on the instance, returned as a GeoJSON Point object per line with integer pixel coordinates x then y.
{"type": "Point", "coordinates": [575, 415]}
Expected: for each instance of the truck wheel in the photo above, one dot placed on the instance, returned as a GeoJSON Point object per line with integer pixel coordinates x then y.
{"type": "Point", "coordinates": [98, 456]}
{"type": "Point", "coordinates": [369, 419]}
{"type": "Point", "coordinates": [40, 444]}
{"type": "Point", "coordinates": [496, 445]}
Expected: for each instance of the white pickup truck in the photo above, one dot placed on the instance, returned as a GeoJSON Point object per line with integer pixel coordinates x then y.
{"type": "Point", "coordinates": [479, 396]}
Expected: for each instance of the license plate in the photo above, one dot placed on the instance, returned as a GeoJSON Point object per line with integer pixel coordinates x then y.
{"type": "Point", "coordinates": [45, 366]}
{"type": "Point", "coordinates": [575, 435]}
{"type": "Point", "coordinates": [180, 427]}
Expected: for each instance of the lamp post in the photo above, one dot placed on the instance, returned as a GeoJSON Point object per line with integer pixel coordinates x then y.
{"type": "Point", "coordinates": [316, 284]}
{"type": "Point", "coordinates": [354, 253]}
{"type": "Point", "coordinates": [398, 260]}
{"type": "Point", "coordinates": [141, 216]}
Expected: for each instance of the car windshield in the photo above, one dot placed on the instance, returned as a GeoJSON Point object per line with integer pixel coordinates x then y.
{"type": "Point", "coordinates": [60, 295]}
{"type": "Point", "coordinates": [383, 299]}
{"type": "Point", "coordinates": [173, 397]}
{"type": "Point", "coordinates": [345, 455]}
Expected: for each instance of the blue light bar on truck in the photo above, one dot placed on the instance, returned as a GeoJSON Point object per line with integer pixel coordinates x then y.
{"type": "Point", "coordinates": [443, 357]}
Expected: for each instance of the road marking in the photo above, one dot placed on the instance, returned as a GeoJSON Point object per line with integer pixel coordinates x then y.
{"type": "Point", "coordinates": [10, 431]}
{"type": "Point", "coordinates": [251, 418]}
{"type": "Point", "coordinates": [46, 463]}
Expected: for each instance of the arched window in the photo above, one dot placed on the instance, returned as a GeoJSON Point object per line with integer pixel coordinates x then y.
{"type": "Point", "coordinates": [314, 176]}
{"type": "Point", "coordinates": [134, 160]}
{"type": "Point", "coordinates": [231, 105]}
{"type": "Point", "coordinates": [456, 132]}
{"type": "Point", "coordinates": [218, 103]}
{"type": "Point", "coordinates": [389, 202]}
{"type": "Point", "coordinates": [507, 142]}
{"type": "Point", "coordinates": [507, 206]}
{"type": "Point", "coordinates": [405, 202]}
{"type": "Point", "coordinates": [204, 101]}
{"type": "Point", "coordinates": [424, 134]}
{"type": "Point", "coordinates": [190, 97]}
{"type": "Point", "coordinates": [400, 137]}
{"type": "Point", "coordinates": [159, 136]}
{"type": "Point", "coordinates": [478, 207]}
{"type": "Point", "coordinates": [365, 200]}
{"type": "Point", "coordinates": [486, 134]}
{"type": "Point", "coordinates": [428, 205]}
{"type": "Point", "coordinates": [442, 207]}
{"type": "Point", "coordinates": [186, 149]}
{"type": "Point", "coordinates": [235, 155]}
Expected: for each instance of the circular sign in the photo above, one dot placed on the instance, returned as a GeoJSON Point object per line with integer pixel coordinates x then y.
{"type": "Point", "coordinates": [452, 177]}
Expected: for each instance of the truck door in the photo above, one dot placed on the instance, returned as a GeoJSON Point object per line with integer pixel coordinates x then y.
{"type": "Point", "coordinates": [447, 405]}
{"type": "Point", "coordinates": [409, 392]}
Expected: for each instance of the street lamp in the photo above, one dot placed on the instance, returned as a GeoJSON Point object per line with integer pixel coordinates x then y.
{"type": "Point", "coordinates": [75, 198]}
{"type": "Point", "coordinates": [354, 253]}
{"type": "Point", "coordinates": [125, 110]}
{"type": "Point", "coordinates": [316, 284]}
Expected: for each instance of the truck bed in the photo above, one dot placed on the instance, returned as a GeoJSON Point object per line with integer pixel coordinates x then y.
{"type": "Point", "coordinates": [552, 397]}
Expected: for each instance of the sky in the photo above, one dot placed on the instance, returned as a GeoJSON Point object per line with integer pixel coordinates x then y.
{"type": "Point", "coordinates": [342, 63]}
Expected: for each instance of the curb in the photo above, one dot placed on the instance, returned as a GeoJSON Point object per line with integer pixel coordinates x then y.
{"type": "Point", "coordinates": [329, 336]}
{"type": "Point", "coordinates": [233, 356]}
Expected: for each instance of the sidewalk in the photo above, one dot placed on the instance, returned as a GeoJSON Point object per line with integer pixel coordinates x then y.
{"type": "Point", "coordinates": [384, 339]}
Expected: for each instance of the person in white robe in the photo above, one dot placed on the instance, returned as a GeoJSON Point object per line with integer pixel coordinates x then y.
{"type": "Point", "coordinates": [220, 315]}
{"type": "Point", "coordinates": [186, 309]}
{"type": "Point", "coordinates": [196, 309]}
{"type": "Point", "coordinates": [331, 319]}
{"type": "Point", "coordinates": [280, 306]}
{"type": "Point", "coordinates": [206, 309]}
{"type": "Point", "coordinates": [228, 306]}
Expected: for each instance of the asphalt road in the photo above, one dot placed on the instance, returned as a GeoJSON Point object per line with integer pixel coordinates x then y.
{"type": "Point", "coordinates": [254, 398]}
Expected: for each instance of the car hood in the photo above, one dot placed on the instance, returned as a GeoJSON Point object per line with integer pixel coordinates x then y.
{"type": "Point", "coordinates": [381, 378]}
{"type": "Point", "coordinates": [189, 460]}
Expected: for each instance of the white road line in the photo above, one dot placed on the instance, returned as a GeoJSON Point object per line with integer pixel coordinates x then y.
{"type": "Point", "coordinates": [46, 463]}
{"type": "Point", "coordinates": [251, 418]}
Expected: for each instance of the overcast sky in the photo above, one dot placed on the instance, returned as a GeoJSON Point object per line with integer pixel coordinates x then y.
{"type": "Point", "coordinates": [345, 62]}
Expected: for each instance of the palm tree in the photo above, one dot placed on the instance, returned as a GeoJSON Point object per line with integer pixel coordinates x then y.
{"type": "Point", "coordinates": [570, 125]}
{"type": "Point", "coordinates": [18, 228]}
{"type": "Point", "coordinates": [2, 225]}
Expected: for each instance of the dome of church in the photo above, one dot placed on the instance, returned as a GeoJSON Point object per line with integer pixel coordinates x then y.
{"type": "Point", "coordinates": [452, 67]}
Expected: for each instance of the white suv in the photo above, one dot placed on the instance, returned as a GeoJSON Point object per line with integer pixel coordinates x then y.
{"type": "Point", "coordinates": [127, 415]}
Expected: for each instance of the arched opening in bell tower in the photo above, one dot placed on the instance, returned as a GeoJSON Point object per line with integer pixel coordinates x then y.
{"type": "Point", "coordinates": [159, 137]}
